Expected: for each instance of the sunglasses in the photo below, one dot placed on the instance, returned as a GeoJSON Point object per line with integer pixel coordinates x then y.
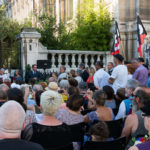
{"type": "Point", "coordinates": [134, 95]}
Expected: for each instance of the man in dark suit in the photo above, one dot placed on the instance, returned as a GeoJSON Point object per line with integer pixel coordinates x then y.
{"type": "Point", "coordinates": [34, 74]}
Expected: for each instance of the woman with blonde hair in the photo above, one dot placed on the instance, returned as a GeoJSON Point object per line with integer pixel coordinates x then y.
{"type": "Point", "coordinates": [91, 75]}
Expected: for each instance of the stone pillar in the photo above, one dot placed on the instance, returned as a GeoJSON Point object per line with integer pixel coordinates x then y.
{"type": "Point", "coordinates": [29, 47]}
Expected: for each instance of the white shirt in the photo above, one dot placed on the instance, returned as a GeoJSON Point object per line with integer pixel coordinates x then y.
{"type": "Point", "coordinates": [120, 74]}
{"type": "Point", "coordinates": [79, 79]}
{"type": "Point", "coordinates": [101, 78]}
{"type": "Point", "coordinates": [122, 111]}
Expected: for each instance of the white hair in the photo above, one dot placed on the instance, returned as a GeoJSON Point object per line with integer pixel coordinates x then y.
{"type": "Point", "coordinates": [12, 117]}
{"type": "Point", "coordinates": [50, 102]}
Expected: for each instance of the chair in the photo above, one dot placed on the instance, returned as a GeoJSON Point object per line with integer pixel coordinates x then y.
{"type": "Point", "coordinates": [65, 147]}
{"type": "Point", "coordinates": [77, 132]}
{"type": "Point", "coordinates": [115, 127]}
{"type": "Point", "coordinates": [118, 144]}
{"type": "Point", "coordinates": [84, 112]}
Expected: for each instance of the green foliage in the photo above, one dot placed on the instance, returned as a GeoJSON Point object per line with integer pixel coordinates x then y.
{"type": "Point", "coordinates": [9, 29]}
{"type": "Point", "coordinates": [53, 36]}
{"type": "Point", "coordinates": [93, 27]}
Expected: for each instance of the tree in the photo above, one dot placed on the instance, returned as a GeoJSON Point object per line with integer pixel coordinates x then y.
{"type": "Point", "coordinates": [9, 29]}
{"type": "Point", "coordinates": [92, 31]}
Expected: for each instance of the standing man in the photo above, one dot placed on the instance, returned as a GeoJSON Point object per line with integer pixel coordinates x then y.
{"type": "Point", "coordinates": [85, 74]}
{"type": "Point", "coordinates": [63, 74]}
{"type": "Point", "coordinates": [34, 74]}
{"type": "Point", "coordinates": [100, 77]}
{"type": "Point", "coordinates": [141, 72]}
{"type": "Point", "coordinates": [110, 67]}
{"type": "Point", "coordinates": [120, 73]}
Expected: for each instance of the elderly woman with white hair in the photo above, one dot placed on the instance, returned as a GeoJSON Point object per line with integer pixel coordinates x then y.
{"type": "Point", "coordinates": [49, 132]}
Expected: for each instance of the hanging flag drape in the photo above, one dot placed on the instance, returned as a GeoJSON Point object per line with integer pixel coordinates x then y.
{"type": "Point", "coordinates": [116, 44]}
{"type": "Point", "coordinates": [141, 32]}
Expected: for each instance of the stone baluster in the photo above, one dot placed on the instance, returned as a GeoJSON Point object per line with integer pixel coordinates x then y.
{"type": "Point", "coordinates": [59, 60]}
{"type": "Point", "coordinates": [79, 59]}
{"type": "Point", "coordinates": [86, 60]}
{"type": "Point", "coordinates": [73, 61]}
{"type": "Point", "coordinates": [92, 61]}
{"type": "Point", "coordinates": [98, 57]}
{"type": "Point", "coordinates": [53, 60]}
{"type": "Point", "coordinates": [66, 60]}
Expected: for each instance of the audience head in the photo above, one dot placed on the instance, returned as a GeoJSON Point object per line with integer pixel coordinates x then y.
{"type": "Point", "coordinates": [4, 87]}
{"type": "Point", "coordinates": [132, 84]}
{"type": "Point", "coordinates": [91, 71]}
{"type": "Point", "coordinates": [141, 97]}
{"type": "Point", "coordinates": [99, 65]}
{"type": "Point", "coordinates": [141, 60]}
{"type": "Point", "coordinates": [16, 95]}
{"type": "Point", "coordinates": [121, 94]}
{"type": "Point", "coordinates": [3, 96]}
{"type": "Point", "coordinates": [109, 92]}
{"type": "Point", "coordinates": [72, 73]}
{"type": "Point", "coordinates": [34, 67]}
{"type": "Point", "coordinates": [2, 71]}
{"type": "Point", "coordinates": [130, 68]}
{"type": "Point", "coordinates": [37, 87]}
{"type": "Point", "coordinates": [51, 79]}
{"type": "Point", "coordinates": [73, 82]}
{"type": "Point", "coordinates": [73, 90]}
{"type": "Point", "coordinates": [83, 86]}
{"type": "Point", "coordinates": [52, 86]}
{"type": "Point", "coordinates": [64, 84]}
{"type": "Point", "coordinates": [11, 127]}
{"type": "Point", "coordinates": [100, 98]}
{"type": "Point", "coordinates": [118, 59]}
{"type": "Point", "coordinates": [82, 66]}
{"type": "Point", "coordinates": [38, 97]}
{"type": "Point", "coordinates": [62, 69]}
{"type": "Point", "coordinates": [135, 62]}
{"type": "Point", "coordinates": [75, 102]}
{"type": "Point", "coordinates": [99, 132]}
{"type": "Point", "coordinates": [78, 72]}
{"type": "Point", "coordinates": [50, 103]}
{"type": "Point", "coordinates": [44, 85]}
{"type": "Point", "coordinates": [110, 65]}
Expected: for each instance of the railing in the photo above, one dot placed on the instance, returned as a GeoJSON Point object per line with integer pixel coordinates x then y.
{"type": "Point", "coordinates": [71, 59]}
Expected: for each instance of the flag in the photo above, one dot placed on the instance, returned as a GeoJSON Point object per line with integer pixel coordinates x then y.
{"type": "Point", "coordinates": [116, 47]}
{"type": "Point", "coordinates": [141, 32]}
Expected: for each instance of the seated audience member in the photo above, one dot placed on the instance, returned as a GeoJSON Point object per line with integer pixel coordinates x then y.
{"type": "Point", "coordinates": [126, 105]}
{"type": "Point", "coordinates": [7, 82]}
{"type": "Point", "coordinates": [64, 84]}
{"type": "Point", "coordinates": [99, 132]}
{"type": "Point", "coordinates": [63, 74]}
{"type": "Point", "coordinates": [73, 90]}
{"type": "Point", "coordinates": [17, 95]}
{"type": "Point", "coordinates": [120, 96]}
{"type": "Point", "coordinates": [83, 86]}
{"type": "Point", "coordinates": [49, 132]}
{"type": "Point", "coordinates": [37, 87]}
{"type": "Point", "coordinates": [78, 76]}
{"type": "Point", "coordinates": [102, 112]}
{"type": "Point", "coordinates": [110, 102]}
{"type": "Point", "coordinates": [91, 75]}
{"type": "Point", "coordinates": [3, 97]}
{"type": "Point", "coordinates": [136, 124]}
{"type": "Point", "coordinates": [71, 115]}
{"type": "Point", "coordinates": [10, 128]}
{"type": "Point", "coordinates": [17, 76]}
{"type": "Point", "coordinates": [4, 88]}
{"type": "Point", "coordinates": [141, 73]}
{"type": "Point", "coordinates": [85, 74]}
{"type": "Point", "coordinates": [54, 75]}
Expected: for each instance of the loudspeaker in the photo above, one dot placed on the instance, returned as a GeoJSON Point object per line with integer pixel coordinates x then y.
{"type": "Point", "coordinates": [43, 64]}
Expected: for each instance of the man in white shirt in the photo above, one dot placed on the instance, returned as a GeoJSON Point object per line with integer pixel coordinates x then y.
{"type": "Point", "coordinates": [100, 77]}
{"type": "Point", "coordinates": [120, 73]}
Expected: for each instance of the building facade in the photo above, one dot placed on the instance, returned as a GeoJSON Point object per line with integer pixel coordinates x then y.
{"type": "Point", "coordinates": [123, 11]}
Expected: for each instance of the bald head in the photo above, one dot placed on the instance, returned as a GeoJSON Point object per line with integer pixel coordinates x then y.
{"type": "Point", "coordinates": [15, 115]}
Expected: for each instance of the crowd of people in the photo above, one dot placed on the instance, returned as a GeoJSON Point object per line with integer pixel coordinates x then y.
{"type": "Point", "coordinates": [42, 115]}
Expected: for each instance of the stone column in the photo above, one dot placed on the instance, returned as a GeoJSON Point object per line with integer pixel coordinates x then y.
{"type": "Point", "coordinates": [86, 60]}
{"type": "Point", "coordinates": [59, 60]}
{"type": "Point", "coordinates": [73, 61]}
{"type": "Point", "coordinates": [92, 61]}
